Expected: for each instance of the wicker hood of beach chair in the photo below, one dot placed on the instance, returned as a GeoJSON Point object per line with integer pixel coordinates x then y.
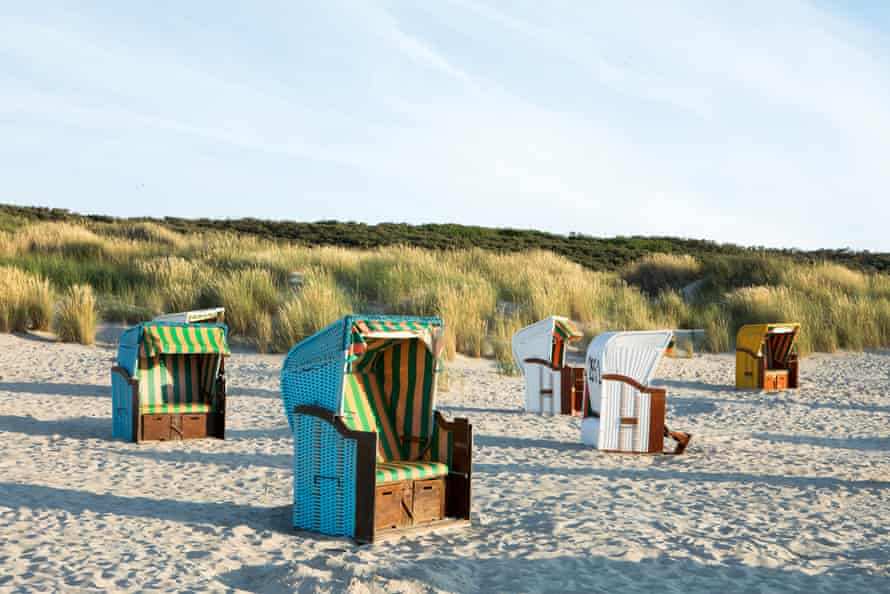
{"type": "Point", "coordinates": [372, 456]}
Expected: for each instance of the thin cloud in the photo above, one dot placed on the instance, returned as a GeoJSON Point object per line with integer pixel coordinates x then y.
{"type": "Point", "coordinates": [755, 123]}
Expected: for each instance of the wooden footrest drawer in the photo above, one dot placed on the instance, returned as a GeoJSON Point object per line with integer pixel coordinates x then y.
{"type": "Point", "coordinates": [429, 500]}
{"type": "Point", "coordinates": [775, 380]}
{"type": "Point", "coordinates": [392, 504]}
{"type": "Point", "coordinates": [156, 427]}
{"type": "Point", "coordinates": [163, 427]}
{"type": "Point", "coordinates": [194, 426]}
{"type": "Point", "coordinates": [408, 503]}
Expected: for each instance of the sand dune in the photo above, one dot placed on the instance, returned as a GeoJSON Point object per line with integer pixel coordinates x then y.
{"type": "Point", "coordinates": [785, 492]}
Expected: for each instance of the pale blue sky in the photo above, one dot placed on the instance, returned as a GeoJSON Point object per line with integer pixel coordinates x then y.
{"type": "Point", "coordinates": [751, 122]}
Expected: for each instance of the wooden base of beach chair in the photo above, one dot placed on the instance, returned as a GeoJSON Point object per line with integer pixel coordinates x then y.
{"type": "Point", "coordinates": [173, 427]}
{"type": "Point", "coordinates": [406, 504]}
{"type": "Point", "coordinates": [440, 526]}
{"type": "Point", "coordinates": [412, 506]}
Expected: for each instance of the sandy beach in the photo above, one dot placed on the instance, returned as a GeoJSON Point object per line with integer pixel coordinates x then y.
{"type": "Point", "coordinates": [781, 492]}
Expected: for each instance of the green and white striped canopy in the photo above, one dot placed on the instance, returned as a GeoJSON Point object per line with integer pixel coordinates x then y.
{"type": "Point", "coordinates": [196, 339]}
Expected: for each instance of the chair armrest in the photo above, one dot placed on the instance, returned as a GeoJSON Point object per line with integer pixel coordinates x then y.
{"type": "Point", "coordinates": [126, 375]}
{"type": "Point", "coordinates": [748, 352]}
{"type": "Point", "coordinates": [544, 362]}
{"type": "Point", "coordinates": [459, 494]}
{"type": "Point", "coordinates": [335, 420]}
{"type": "Point", "coordinates": [632, 382]}
{"type": "Point", "coordinates": [461, 443]}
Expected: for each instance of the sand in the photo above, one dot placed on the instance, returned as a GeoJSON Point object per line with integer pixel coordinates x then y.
{"type": "Point", "coordinates": [783, 492]}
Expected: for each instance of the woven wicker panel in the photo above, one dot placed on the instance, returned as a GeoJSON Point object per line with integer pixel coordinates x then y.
{"type": "Point", "coordinates": [320, 385]}
{"type": "Point", "coordinates": [322, 345]}
{"type": "Point", "coordinates": [324, 478]}
{"type": "Point", "coordinates": [122, 408]}
{"type": "Point", "coordinates": [312, 373]}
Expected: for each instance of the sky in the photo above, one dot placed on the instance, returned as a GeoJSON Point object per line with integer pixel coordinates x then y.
{"type": "Point", "coordinates": [757, 123]}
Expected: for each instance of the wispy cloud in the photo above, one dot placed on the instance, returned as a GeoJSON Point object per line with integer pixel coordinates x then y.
{"type": "Point", "coordinates": [755, 123]}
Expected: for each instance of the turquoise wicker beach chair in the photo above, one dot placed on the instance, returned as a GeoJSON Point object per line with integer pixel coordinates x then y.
{"type": "Point", "coordinates": [372, 456]}
{"type": "Point", "coordinates": [169, 382]}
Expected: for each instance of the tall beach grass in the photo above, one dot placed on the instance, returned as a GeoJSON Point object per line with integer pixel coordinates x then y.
{"type": "Point", "coordinates": [26, 301]}
{"type": "Point", "coordinates": [132, 271]}
{"type": "Point", "coordinates": [75, 319]}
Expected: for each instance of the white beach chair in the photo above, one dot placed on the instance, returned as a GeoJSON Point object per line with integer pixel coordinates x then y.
{"type": "Point", "coordinates": [622, 413]}
{"type": "Point", "coordinates": [551, 387]}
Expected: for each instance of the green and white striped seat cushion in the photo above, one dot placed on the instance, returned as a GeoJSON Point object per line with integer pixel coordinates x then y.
{"type": "Point", "coordinates": [185, 408]}
{"type": "Point", "coordinates": [400, 471]}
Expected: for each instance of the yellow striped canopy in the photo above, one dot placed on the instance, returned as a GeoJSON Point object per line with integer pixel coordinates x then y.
{"type": "Point", "coordinates": [193, 339]}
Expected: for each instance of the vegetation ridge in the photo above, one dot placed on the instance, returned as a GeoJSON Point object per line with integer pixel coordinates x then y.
{"type": "Point", "coordinates": [67, 271]}
{"type": "Point", "coordinates": [595, 253]}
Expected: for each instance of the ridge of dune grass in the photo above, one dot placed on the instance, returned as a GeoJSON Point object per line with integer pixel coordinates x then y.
{"type": "Point", "coordinates": [137, 270]}
{"type": "Point", "coordinates": [596, 253]}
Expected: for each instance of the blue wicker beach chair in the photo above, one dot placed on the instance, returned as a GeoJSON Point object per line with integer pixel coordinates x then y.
{"type": "Point", "coordinates": [372, 456]}
{"type": "Point", "coordinates": [169, 382]}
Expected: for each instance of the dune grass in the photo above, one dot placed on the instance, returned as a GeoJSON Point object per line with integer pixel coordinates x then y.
{"type": "Point", "coordinates": [319, 302]}
{"type": "Point", "coordinates": [656, 272]}
{"type": "Point", "coordinates": [137, 270]}
{"type": "Point", "coordinates": [75, 319]}
{"type": "Point", "coordinates": [26, 301]}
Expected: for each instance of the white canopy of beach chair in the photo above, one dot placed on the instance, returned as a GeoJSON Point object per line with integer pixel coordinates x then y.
{"type": "Point", "coordinates": [634, 355]}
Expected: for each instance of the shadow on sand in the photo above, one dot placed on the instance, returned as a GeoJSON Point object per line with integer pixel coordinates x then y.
{"type": "Point", "coordinates": [234, 390]}
{"type": "Point", "coordinates": [501, 441]}
{"type": "Point", "coordinates": [688, 477]}
{"type": "Point", "coordinates": [692, 386]}
{"type": "Point", "coordinates": [459, 411]}
{"type": "Point", "coordinates": [861, 444]}
{"type": "Point", "coordinates": [232, 459]}
{"type": "Point", "coordinates": [56, 389]}
{"type": "Point", "coordinates": [40, 497]}
{"type": "Point", "coordinates": [72, 427]}
{"type": "Point", "coordinates": [765, 399]}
